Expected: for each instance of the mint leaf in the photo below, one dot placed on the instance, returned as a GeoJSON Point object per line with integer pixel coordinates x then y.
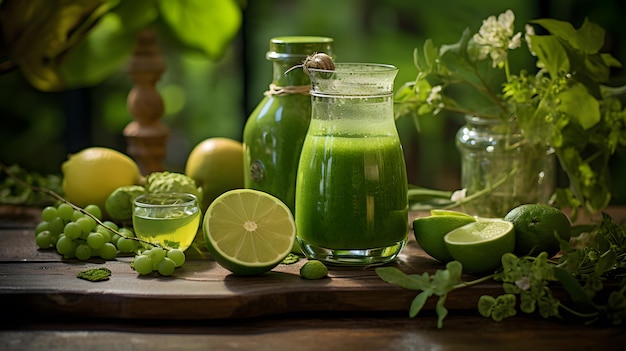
{"type": "Point", "coordinates": [95, 274]}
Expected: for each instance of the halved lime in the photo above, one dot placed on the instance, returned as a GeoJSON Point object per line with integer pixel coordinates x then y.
{"type": "Point", "coordinates": [440, 212]}
{"type": "Point", "coordinates": [479, 246]}
{"type": "Point", "coordinates": [248, 232]}
{"type": "Point", "coordinates": [429, 233]}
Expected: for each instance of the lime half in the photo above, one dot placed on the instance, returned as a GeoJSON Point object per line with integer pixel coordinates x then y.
{"type": "Point", "coordinates": [430, 231]}
{"type": "Point", "coordinates": [479, 246]}
{"type": "Point", "coordinates": [248, 232]}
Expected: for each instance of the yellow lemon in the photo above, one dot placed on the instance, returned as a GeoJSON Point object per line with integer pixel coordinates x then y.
{"type": "Point", "coordinates": [92, 174]}
{"type": "Point", "coordinates": [216, 165]}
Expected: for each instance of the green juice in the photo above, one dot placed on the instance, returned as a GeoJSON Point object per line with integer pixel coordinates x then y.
{"type": "Point", "coordinates": [352, 192]}
{"type": "Point", "coordinates": [175, 231]}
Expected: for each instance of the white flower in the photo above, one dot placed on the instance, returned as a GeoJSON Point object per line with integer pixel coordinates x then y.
{"type": "Point", "coordinates": [523, 283]}
{"type": "Point", "coordinates": [496, 36]}
{"type": "Point", "coordinates": [458, 195]}
{"type": "Point", "coordinates": [434, 95]}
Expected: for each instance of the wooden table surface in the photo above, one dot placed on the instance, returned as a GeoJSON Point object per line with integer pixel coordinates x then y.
{"type": "Point", "coordinates": [45, 307]}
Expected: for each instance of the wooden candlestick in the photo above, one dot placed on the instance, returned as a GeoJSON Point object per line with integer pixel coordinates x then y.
{"type": "Point", "coordinates": [146, 135]}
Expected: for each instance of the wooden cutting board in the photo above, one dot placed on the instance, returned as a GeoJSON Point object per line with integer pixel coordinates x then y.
{"type": "Point", "coordinates": [40, 282]}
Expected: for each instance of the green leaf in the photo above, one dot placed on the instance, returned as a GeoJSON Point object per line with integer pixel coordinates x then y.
{"type": "Point", "coordinates": [578, 103]}
{"type": "Point", "coordinates": [95, 274]}
{"type": "Point", "coordinates": [561, 29]}
{"type": "Point", "coordinates": [485, 305]}
{"type": "Point", "coordinates": [590, 37]}
{"type": "Point", "coordinates": [418, 302]}
{"type": "Point", "coordinates": [206, 25]}
{"type": "Point", "coordinates": [572, 286]}
{"type": "Point", "coordinates": [395, 276]}
{"type": "Point", "coordinates": [39, 34]}
{"type": "Point", "coordinates": [109, 45]}
{"type": "Point", "coordinates": [551, 52]}
{"type": "Point", "coordinates": [441, 310]}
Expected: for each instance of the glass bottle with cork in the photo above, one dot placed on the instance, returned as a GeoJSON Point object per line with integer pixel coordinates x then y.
{"type": "Point", "coordinates": [275, 130]}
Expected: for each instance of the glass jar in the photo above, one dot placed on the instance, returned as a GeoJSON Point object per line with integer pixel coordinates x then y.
{"type": "Point", "coordinates": [500, 169]}
{"type": "Point", "coordinates": [351, 194]}
{"type": "Point", "coordinates": [275, 130]}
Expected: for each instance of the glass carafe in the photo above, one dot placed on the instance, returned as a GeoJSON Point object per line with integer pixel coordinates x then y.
{"type": "Point", "coordinates": [351, 193]}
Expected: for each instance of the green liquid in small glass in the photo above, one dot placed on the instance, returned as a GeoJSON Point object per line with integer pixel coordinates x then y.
{"type": "Point", "coordinates": [174, 232]}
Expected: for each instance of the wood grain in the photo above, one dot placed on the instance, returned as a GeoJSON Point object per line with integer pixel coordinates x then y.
{"type": "Point", "coordinates": [41, 281]}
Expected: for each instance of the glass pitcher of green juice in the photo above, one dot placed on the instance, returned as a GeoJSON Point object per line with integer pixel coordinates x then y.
{"type": "Point", "coordinates": [351, 189]}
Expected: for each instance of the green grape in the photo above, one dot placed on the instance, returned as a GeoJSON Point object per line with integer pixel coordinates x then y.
{"type": "Point", "coordinates": [95, 240]}
{"type": "Point", "coordinates": [41, 226]}
{"type": "Point", "coordinates": [111, 225]}
{"type": "Point", "coordinates": [94, 210]}
{"type": "Point", "coordinates": [127, 232]}
{"type": "Point", "coordinates": [176, 255]}
{"type": "Point", "coordinates": [166, 267]}
{"type": "Point", "coordinates": [49, 213]}
{"type": "Point", "coordinates": [56, 225]}
{"type": "Point", "coordinates": [53, 239]}
{"type": "Point", "coordinates": [126, 245]}
{"type": "Point", "coordinates": [65, 245]}
{"type": "Point", "coordinates": [43, 240]}
{"type": "Point", "coordinates": [83, 252]}
{"type": "Point", "coordinates": [114, 238]}
{"type": "Point", "coordinates": [156, 254]}
{"type": "Point", "coordinates": [72, 230]}
{"type": "Point", "coordinates": [143, 264]}
{"type": "Point", "coordinates": [86, 224]}
{"type": "Point", "coordinates": [77, 215]}
{"type": "Point", "coordinates": [65, 211]}
{"type": "Point", "coordinates": [108, 251]}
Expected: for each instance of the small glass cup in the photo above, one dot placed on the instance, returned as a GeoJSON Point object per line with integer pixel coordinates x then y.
{"type": "Point", "coordinates": [168, 219]}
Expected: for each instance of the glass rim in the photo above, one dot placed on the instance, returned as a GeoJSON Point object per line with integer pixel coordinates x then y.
{"type": "Point", "coordinates": [379, 67]}
{"type": "Point", "coordinates": [188, 199]}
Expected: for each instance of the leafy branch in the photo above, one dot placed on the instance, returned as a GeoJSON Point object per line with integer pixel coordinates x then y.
{"type": "Point", "coordinates": [565, 104]}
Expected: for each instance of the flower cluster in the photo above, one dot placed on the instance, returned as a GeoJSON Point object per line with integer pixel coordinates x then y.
{"type": "Point", "coordinates": [563, 101]}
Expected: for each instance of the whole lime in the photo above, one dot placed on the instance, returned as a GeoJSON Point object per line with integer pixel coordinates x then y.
{"type": "Point", "coordinates": [538, 228]}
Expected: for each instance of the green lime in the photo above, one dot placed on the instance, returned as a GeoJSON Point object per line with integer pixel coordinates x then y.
{"type": "Point", "coordinates": [248, 232]}
{"type": "Point", "coordinates": [439, 212]}
{"type": "Point", "coordinates": [479, 246]}
{"type": "Point", "coordinates": [313, 269]}
{"type": "Point", "coordinates": [538, 228]}
{"type": "Point", "coordinates": [429, 233]}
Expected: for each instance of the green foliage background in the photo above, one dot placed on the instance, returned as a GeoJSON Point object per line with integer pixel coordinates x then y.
{"type": "Point", "coordinates": [205, 98]}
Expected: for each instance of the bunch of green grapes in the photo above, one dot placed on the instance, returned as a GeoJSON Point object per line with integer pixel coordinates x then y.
{"type": "Point", "coordinates": [159, 260]}
{"type": "Point", "coordinates": [75, 234]}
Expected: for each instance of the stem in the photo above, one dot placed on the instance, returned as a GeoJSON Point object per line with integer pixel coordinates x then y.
{"type": "Point", "coordinates": [484, 191]}
{"type": "Point", "coordinates": [474, 282]}
{"type": "Point", "coordinates": [579, 314]}
{"type": "Point", "coordinates": [62, 199]}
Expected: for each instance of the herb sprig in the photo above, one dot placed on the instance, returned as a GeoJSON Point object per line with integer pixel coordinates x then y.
{"type": "Point", "coordinates": [565, 104]}
{"type": "Point", "coordinates": [593, 275]}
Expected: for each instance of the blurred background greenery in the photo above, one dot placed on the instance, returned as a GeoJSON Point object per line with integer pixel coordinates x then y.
{"type": "Point", "coordinates": [206, 98]}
